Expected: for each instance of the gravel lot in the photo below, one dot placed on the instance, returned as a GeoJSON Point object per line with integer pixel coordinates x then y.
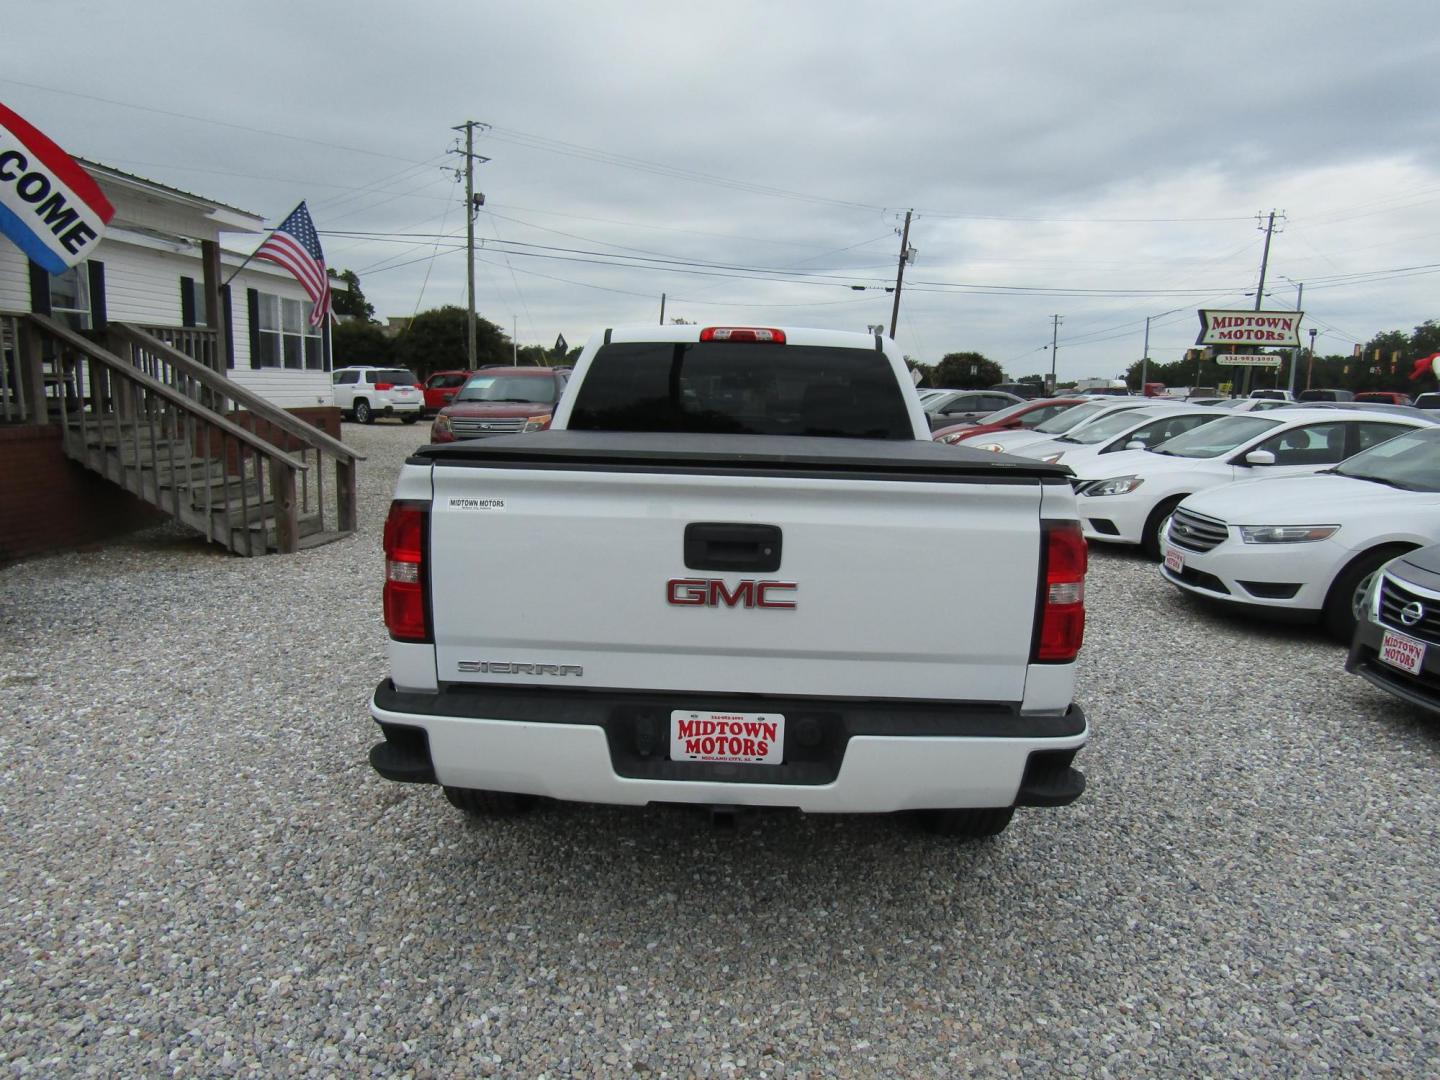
{"type": "Point", "coordinates": [202, 876]}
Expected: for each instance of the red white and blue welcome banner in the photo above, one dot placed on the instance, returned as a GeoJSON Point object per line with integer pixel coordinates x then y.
{"type": "Point", "coordinates": [49, 206]}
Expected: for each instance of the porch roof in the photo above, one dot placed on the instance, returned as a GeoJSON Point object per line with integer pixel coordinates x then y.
{"type": "Point", "coordinates": [147, 205]}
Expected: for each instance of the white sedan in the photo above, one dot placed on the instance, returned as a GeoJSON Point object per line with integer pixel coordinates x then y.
{"type": "Point", "coordinates": [1003, 442]}
{"type": "Point", "coordinates": [1124, 497]}
{"type": "Point", "coordinates": [1307, 547]}
{"type": "Point", "coordinates": [1130, 429]}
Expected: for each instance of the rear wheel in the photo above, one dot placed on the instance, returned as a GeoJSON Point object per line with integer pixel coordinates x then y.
{"type": "Point", "coordinates": [1150, 537]}
{"type": "Point", "coordinates": [488, 803]}
{"type": "Point", "coordinates": [363, 413]}
{"type": "Point", "coordinates": [1343, 603]}
{"type": "Point", "coordinates": [967, 824]}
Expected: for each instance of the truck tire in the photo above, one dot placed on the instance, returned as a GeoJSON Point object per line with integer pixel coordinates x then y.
{"type": "Point", "coordinates": [363, 413]}
{"type": "Point", "coordinates": [967, 824]}
{"type": "Point", "coordinates": [410, 418]}
{"type": "Point", "coordinates": [1339, 614]}
{"type": "Point", "coordinates": [488, 803]}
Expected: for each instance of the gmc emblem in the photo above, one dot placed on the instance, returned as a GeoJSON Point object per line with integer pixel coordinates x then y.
{"type": "Point", "coordinates": [712, 592]}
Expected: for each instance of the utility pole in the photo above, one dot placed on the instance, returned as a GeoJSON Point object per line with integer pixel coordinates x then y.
{"type": "Point", "coordinates": [472, 207]}
{"type": "Point", "coordinates": [1145, 356]}
{"type": "Point", "coordinates": [1295, 352]}
{"type": "Point", "coordinates": [1269, 228]}
{"type": "Point", "coordinates": [1310, 369]}
{"type": "Point", "coordinates": [662, 309]}
{"type": "Point", "coordinates": [905, 256]}
{"type": "Point", "coordinates": [514, 344]}
{"type": "Point", "coordinates": [1055, 345]}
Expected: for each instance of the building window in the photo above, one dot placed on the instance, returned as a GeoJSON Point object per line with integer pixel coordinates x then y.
{"type": "Point", "coordinates": [285, 337]}
{"type": "Point", "coordinates": [193, 309]}
{"type": "Point", "coordinates": [70, 297]}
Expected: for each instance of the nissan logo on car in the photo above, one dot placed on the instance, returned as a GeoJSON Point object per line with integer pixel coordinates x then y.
{"type": "Point", "coordinates": [1412, 613]}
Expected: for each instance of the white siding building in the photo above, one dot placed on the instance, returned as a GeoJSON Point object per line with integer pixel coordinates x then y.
{"type": "Point", "coordinates": [156, 266]}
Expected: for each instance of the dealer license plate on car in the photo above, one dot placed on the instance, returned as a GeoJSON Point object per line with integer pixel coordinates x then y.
{"type": "Point", "coordinates": [736, 738]}
{"type": "Point", "coordinates": [1174, 560]}
{"type": "Point", "coordinates": [1402, 652]}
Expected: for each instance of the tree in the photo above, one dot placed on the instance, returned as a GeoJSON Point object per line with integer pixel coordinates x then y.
{"type": "Point", "coordinates": [534, 356]}
{"type": "Point", "coordinates": [927, 372]}
{"type": "Point", "coordinates": [435, 341]}
{"type": "Point", "coordinates": [352, 302]}
{"type": "Point", "coordinates": [967, 370]}
{"type": "Point", "coordinates": [358, 342]}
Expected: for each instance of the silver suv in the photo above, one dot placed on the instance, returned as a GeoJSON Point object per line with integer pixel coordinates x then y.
{"type": "Point", "coordinates": [363, 393]}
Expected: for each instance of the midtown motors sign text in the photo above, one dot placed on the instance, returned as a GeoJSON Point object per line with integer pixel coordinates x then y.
{"type": "Point", "coordinates": [1276, 328]}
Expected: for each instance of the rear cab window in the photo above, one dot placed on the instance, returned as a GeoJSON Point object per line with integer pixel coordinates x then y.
{"type": "Point", "coordinates": [741, 388]}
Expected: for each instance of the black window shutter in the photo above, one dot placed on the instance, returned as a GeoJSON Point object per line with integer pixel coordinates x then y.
{"type": "Point", "coordinates": [252, 301]}
{"type": "Point", "coordinates": [325, 344]}
{"type": "Point", "coordinates": [39, 289]}
{"type": "Point", "coordinates": [99, 310]}
{"type": "Point", "coordinates": [227, 312]}
{"type": "Point", "coordinates": [187, 301]}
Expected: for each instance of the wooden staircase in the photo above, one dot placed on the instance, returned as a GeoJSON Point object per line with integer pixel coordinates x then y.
{"type": "Point", "coordinates": [212, 455]}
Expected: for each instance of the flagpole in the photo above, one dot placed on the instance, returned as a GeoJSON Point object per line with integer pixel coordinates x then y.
{"type": "Point", "coordinates": [244, 264]}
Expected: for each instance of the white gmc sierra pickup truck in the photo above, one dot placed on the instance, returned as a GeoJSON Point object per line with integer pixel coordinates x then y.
{"type": "Point", "coordinates": [735, 572]}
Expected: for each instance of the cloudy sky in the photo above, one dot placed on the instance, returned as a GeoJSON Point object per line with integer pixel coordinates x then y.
{"type": "Point", "coordinates": [753, 161]}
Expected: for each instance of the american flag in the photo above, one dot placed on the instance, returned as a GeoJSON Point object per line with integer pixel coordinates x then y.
{"type": "Point", "coordinates": [296, 246]}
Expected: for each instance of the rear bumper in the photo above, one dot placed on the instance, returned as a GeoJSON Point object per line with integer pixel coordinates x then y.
{"type": "Point", "coordinates": [840, 756]}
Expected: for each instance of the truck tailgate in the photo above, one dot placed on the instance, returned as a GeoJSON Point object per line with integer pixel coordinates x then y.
{"type": "Point", "coordinates": [920, 589]}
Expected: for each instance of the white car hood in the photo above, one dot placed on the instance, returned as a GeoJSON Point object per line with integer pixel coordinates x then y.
{"type": "Point", "coordinates": [1122, 463]}
{"type": "Point", "coordinates": [1303, 500]}
{"type": "Point", "coordinates": [1007, 439]}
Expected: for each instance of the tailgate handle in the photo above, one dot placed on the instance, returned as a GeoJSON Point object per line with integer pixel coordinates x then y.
{"type": "Point", "coordinates": [719, 546]}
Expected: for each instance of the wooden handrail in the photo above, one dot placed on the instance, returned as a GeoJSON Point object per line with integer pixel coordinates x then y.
{"type": "Point", "coordinates": [128, 371]}
{"type": "Point", "coordinates": [241, 395]}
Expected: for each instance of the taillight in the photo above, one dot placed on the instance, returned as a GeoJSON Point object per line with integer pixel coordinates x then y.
{"type": "Point", "coordinates": [757, 334]}
{"type": "Point", "coordinates": [407, 579]}
{"type": "Point", "coordinates": [384, 386]}
{"type": "Point", "coordinates": [1061, 619]}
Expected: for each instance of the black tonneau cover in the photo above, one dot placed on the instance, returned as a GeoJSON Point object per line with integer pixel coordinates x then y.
{"type": "Point", "coordinates": [759, 454]}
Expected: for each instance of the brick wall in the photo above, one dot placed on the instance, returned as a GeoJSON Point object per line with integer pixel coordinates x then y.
{"type": "Point", "coordinates": [48, 503]}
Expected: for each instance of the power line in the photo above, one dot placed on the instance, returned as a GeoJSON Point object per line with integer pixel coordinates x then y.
{"type": "Point", "coordinates": [307, 139]}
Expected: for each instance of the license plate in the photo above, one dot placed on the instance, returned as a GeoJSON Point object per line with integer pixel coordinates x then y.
{"type": "Point", "coordinates": [1402, 652]}
{"type": "Point", "coordinates": [1174, 561]}
{"type": "Point", "coordinates": [739, 738]}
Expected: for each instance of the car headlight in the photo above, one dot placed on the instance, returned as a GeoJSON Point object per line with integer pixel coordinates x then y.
{"type": "Point", "coordinates": [537, 423]}
{"type": "Point", "coordinates": [440, 429]}
{"type": "Point", "coordinates": [994, 448]}
{"type": "Point", "coordinates": [1116, 485]}
{"type": "Point", "coordinates": [952, 438]}
{"type": "Point", "coordinates": [1286, 534]}
{"type": "Point", "coordinates": [1051, 459]}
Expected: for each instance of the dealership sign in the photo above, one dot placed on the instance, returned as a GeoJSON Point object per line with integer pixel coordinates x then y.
{"type": "Point", "coordinates": [1280, 329]}
{"type": "Point", "coordinates": [49, 206]}
{"type": "Point", "coordinates": [1247, 360]}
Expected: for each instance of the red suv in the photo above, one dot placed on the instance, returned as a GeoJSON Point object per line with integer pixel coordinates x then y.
{"type": "Point", "coordinates": [500, 401]}
{"type": "Point", "coordinates": [441, 386]}
{"type": "Point", "coordinates": [1384, 397]}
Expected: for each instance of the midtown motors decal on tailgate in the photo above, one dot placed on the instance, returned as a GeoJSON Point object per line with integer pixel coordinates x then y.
{"type": "Point", "coordinates": [745, 738]}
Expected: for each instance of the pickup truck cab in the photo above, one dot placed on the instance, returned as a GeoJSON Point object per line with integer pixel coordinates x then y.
{"type": "Point", "coordinates": [741, 529]}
